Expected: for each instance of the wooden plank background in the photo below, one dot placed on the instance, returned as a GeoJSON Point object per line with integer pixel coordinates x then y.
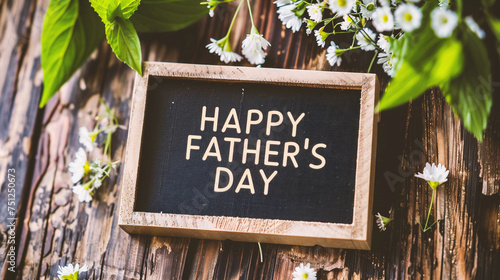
{"type": "Point", "coordinates": [53, 228]}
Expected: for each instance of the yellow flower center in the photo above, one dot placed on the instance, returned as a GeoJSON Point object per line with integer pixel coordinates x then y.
{"type": "Point", "coordinates": [445, 20]}
{"type": "Point", "coordinates": [305, 276]}
{"type": "Point", "coordinates": [408, 17]}
{"type": "Point", "coordinates": [86, 167]}
{"type": "Point", "coordinates": [342, 3]}
{"type": "Point", "coordinates": [385, 18]}
{"type": "Point", "coordinates": [93, 136]}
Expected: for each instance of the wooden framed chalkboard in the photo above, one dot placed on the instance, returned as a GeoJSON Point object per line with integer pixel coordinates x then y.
{"type": "Point", "coordinates": [249, 154]}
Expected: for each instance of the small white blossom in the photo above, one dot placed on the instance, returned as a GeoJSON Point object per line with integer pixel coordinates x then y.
{"type": "Point", "coordinates": [253, 47]}
{"type": "Point", "coordinates": [342, 7]}
{"type": "Point", "coordinates": [474, 27]}
{"type": "Point", "coordinates": [348, 22]}
{"type": "Point", "coordinates": [315, 12]}
{"type": "Point", "coordinates": [319, 38]}
{"type": "Point", "coordinates": [214, 47]}
{"type": "Point", "coordinates": [368, 8]}
{"type": "Point", "coordinates": [223, 49]}
{"type": "Point", "coordinates": [83, 193]}
{"type": "Point", "coordinates": [434, 175]}
{"type": "Point", "coordinates": [85, 138]}
{"type": "Point", "coordinates": [382, 222]}
{"type": "Point", "coordinates": [289, 18]}
{"type": "Point", "coordinates": [365, 43]}
{"type": "Point", "coordinates": [97, 183]}
{"type": "Point", "coordinates": [97, 170]}
{"type": "Point", "coordinates": [333, 55]}
{"type": "Point", "coordinates": [408, 16]}
{"type": "Point", "coordinates": [389, 68]}
{"type": "Point", "coordinates": [383, 43]}
{"type": "Point", "coordinates": [79, 166]}
{"type": "Point", "coordinates": [383, 57]}
{"type": "Point", "coordinates": [443, 22]}
{"type": "Point", "coordinates": [304, 272]}
{"type": "Point", "coordinates": [69, 270]}
{"type": "Point", "coordinates": [383, 19]}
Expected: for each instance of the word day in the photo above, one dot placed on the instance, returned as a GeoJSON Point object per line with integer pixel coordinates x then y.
{"type": "Point", "coordinates": [271, 149]}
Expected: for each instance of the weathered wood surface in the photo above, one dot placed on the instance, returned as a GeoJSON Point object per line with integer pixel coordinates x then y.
{"type": "Point", "coordinates": [53, 228]}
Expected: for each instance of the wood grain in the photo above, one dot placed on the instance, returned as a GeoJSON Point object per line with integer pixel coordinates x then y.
{"type": "Point", "coordinates": [55, 229]}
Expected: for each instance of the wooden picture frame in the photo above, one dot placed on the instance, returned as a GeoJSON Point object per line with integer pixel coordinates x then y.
{"type": "Point", "coordinates": [355, 236]}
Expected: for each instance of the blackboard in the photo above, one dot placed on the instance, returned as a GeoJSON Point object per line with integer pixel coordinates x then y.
{"type": "Point", "coordinates": [269, 155]}
{"type": "Point", "coordinates": [170, 183]}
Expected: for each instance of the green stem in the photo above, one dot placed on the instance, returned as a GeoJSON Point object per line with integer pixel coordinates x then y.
{"type": "Point", "coordinates": [250, 12]}
{"type": "Point", "coordinates": [234, 18]}
{"type": "Point", "coordinates": [371, 63]}
{"type": "Point", "coordinates": [429, 212]}
{"type": "Point", "coordinates": [368, 38]}
{"type": "Point", "coordinates": [260, 251]}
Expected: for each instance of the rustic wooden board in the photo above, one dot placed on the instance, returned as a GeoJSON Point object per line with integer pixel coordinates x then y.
{"type": "Point", "coordinates": [151, 204]}
{"type": "Point", "coordinates": [54, 228]}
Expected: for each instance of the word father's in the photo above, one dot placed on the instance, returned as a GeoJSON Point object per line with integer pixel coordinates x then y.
{"type": "Point", "coordinates": [271, 148]}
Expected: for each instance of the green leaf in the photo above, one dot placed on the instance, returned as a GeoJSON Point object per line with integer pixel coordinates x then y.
{"type": "Point", "coordinates": [429, 63]}
{"type": "Point", "coordinates": [167, 15]}
{"type": "Point", "coordinates": [71, 32]}
{"type": "Point", "coordinates": [124, 41]}
{"type": "Point", "coordinates": [107, 7]}
{"type": "Point", "coordinates": [470, 93]}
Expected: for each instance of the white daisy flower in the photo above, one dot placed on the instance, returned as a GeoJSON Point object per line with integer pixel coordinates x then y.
{"type": "Point", "coordinates": [83, 193]}
{"type": "Point", "coordinates": [434, 175]}
{"type": "Point", "coordinates": [97, 170]}
{"type": "Point", "coordinates": [214, 47]}
{"type": "Point", "coordinates": [223, 49]}
{"type": "Point", "coordinates": [97, 183]}
{"type": "Point", "coordinates": [333, 54]}
{"type": "Point", "coordinates": [70, 271]}
{"type": "Point", "coordinates": [389, 68]}
{"type": "Point", "coordinates": [383, 57]}
{"type": "Point", "coordinates": [253, 47]}
{"type": "Point", "coordinates": [348, 22]}
{"type": "Point", "coordinates": [304, 272]}
{"type": "Point", "coordinates": [79, 167]}
{"type": "Point", "coordinates": [474, 27]}
{"type": "Point", "coordinates": [315, 12]}
{"type": "Point", "coordinates": [383, 19]}
{"type": "Point", "coordinates": [227, 57]}
{"type": "Point", "coordinates": [85, 139]}
{"type": "Point", "coordinates": [383, 43]}
{"type": "Point", "coordinates": [408, 16]}
{"type": "Point", "coordinates": [342, 7]}
{"type": "Point", "coordinates": [368, 8]}
{"type": "Point", "coordinates": [443, 22]}
{"type": "Point", "coordinates": [310, 25]}
{"type": "Point", "coordinates": [289, 18]}
{"type": "Point", "coordinates": [321, 37]}
{"type": "Point", "coordinates": [382, 222]}
{"type": "Point", "coordinates": [365, 43]}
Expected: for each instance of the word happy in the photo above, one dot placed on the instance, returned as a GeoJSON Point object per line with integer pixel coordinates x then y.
{"type": "Point", "coordinates": [271, 155]}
